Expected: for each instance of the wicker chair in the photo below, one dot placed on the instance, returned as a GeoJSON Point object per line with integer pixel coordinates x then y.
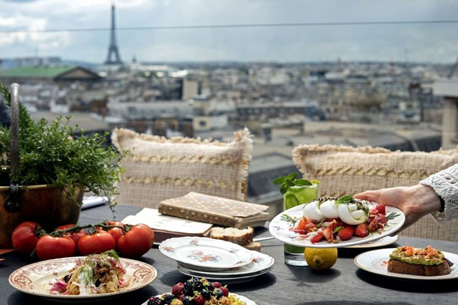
{"type": "Point", "coordinates": [348, 170]}
{"type": "Point", "coordinates": [157, 168]}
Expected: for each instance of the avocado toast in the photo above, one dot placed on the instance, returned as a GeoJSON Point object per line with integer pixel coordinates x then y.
{"type": "Point", "coordinates": [418, 261]}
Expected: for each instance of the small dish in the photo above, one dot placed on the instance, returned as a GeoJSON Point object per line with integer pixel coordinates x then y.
{"type": "Point", "coordinates": [204, 253]}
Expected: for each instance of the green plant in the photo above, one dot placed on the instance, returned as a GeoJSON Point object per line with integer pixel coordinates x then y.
{"type": "Point", "coordinates": [51, 155]}
{"type": "Point", "coordinates": [286, 182]}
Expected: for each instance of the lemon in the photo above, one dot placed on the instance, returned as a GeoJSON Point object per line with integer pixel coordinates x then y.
{"type": "Point", "coordinates": [320, 258]}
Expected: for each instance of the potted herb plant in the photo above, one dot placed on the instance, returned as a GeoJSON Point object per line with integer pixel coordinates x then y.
{"type": "Point", "coordinates": [54, 170]}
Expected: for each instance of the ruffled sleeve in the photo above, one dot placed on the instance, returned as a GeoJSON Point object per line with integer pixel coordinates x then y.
{"type": "Point", "coordinates": [445, 184]}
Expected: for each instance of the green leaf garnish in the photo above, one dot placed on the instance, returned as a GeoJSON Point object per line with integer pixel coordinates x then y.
{"type": "Point", "coordinates": [392, 216]}
{"type": "Point", "coordinates": [291, 180]}
{"type": "Point", "coordinates": [337, 229]}
{"type": "Point", "coordinates": [344, 199]}
{"type": "Point", "coordinates": [290, 220]}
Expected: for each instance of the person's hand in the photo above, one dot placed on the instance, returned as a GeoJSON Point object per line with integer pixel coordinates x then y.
{"type": "Point", "coordinates": [415, 201]}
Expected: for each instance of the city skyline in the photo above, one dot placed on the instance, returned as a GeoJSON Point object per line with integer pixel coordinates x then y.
{"type": "Point", "coordinates": [195, 30]}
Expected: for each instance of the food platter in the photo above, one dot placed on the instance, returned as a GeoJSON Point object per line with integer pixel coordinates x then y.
{"type": "Point", "coordinates": [35, 278]}
{"type": "Point", "coordinates": [246, 300]}
{"type": "Point", "coordinates": [204, 253]}
{"type": "Point", "coordinates": [376, 261]}
{"type": "Point", "coordinates": [281, 228]}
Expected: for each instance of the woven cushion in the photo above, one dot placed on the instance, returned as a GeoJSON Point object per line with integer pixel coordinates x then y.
{"type": "Point", "coordinates": [157, 168]}
{"type": "Point", "coordinates": [347, 170]}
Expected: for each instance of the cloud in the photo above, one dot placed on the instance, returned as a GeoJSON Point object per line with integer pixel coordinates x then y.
{"type": "Point", "coordinates": [427, 42]}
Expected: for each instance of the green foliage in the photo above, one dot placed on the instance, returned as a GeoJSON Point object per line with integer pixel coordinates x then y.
{"type": "Point", "coordinates": [286, 182]}
{"type": "Point", "coordinates": [48, 154]}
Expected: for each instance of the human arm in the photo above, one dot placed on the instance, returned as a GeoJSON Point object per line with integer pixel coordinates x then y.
{"type": "Point", "coordinates": [415, 201]}
{"type": "Point", "coordinates": [445, 185]}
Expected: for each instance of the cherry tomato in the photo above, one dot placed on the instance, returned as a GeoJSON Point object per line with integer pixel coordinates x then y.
{"type": "Point", "coordinates": [54, 247]}
{"type": "Point", "coordinates": [96, 243]}
{"type": "Point", "coordinates": [24, 237]}
{"type": "Point", "coordinates": [73, 235]}
{"type": "Point", "coordinates": [137, 241]}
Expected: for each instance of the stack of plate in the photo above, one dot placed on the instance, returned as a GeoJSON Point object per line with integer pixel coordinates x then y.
{"type": "Point", "coordinates": [216, 260]}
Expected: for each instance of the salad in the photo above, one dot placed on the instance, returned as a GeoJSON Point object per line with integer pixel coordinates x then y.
{"type": "Point", "coordinates": [93, 274]}
{"type": "Point", "coordinates": [197, 291]}
{"type": "Point", "coordinates": [336, 220]}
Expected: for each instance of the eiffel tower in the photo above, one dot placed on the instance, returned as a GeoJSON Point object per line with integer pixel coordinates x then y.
{"type": "Point", "coordinates": [113, 48]}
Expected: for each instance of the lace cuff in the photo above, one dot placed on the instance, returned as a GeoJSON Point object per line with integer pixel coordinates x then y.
{"type": "Point", "coordinates": [445, 184]}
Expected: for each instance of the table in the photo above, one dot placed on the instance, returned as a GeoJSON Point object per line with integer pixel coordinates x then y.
{"type": "Point", "coordinates": [344, 284]}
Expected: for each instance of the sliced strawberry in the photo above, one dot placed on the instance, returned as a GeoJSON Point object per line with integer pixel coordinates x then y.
{"type": "Point", "coordinates": [381, 209]}
{"type": "Point", "coordinates": [327, 232]}
{"type": "Point", "coordinates": [362, 230]}
{"type": "Point", "coordinates": [317, 238]}
{"type": "Point", "coordinates": [304, 226]}
{"type": "Point", "coordinates": [346, 233]}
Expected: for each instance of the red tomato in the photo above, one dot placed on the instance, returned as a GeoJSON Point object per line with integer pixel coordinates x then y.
{"type": "Point", "coordinates": [115, 232]}
{"type": "Point", "coordinates": [137, 241]}
{"type": "Point", "coordinates": [73, 235]}
{"type": "Point", "coordinates": [54, 247]}
{"type": "Point", "coordinates": [24, 237]}
{"type": "Point", "coordinates": [96, 243]}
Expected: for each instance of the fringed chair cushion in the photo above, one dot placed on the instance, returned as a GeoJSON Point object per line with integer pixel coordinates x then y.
{"type": "Point", "coordinates": [157, 168]}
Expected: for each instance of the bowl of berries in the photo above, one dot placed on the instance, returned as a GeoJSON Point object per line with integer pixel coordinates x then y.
{"type": "Point", "coordinates": [199, 291]}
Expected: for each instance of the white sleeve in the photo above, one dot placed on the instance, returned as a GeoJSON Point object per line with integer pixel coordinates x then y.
{"type": "Point", "coordinates": [445, 184]}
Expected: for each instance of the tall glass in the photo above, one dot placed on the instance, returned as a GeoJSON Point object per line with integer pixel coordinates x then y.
{"type": "Point", "coordinates": [297, 195]}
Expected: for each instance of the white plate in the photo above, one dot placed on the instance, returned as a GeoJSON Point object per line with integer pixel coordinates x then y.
{"type": "Point", "coordinates": [36, 278]}
{"type": "Point", "coordinates": [384, 241]}
{"type": "Point", "coordinates": [281, 229]}
{"type": "Point", "coordinates": [376, 261]}
{"type": "Point", "coordinates": [260, 264]}
{"type": "Point", "coordinates": [241, 298]}
{"type": "Point", "coordinates": [206, 253]}
{"type": "Point", "coordinates": [222, 278]}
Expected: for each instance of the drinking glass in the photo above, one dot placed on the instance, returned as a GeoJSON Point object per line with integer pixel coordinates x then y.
{"type": "Point", "coordinates": [294, 196]}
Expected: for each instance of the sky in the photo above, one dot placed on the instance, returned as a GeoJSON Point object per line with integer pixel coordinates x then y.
{"type": "Point", "coordinates": [22, 23]}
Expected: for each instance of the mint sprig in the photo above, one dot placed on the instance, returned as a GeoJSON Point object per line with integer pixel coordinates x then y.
{"type": "Point", "coordinates": [286, 182]}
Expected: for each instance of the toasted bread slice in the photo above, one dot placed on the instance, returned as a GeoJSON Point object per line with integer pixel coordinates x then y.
{"type": "Point", "coordinates": [418, 269]}
{"type": "Point", "coordinates": [241, 237]}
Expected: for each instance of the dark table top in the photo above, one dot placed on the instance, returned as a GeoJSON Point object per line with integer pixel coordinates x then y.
{"type": "Point", "coordinates": [344, 284]}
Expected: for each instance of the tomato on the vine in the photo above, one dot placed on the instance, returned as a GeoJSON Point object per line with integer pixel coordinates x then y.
{"type": "Point", "coordinates": [73, 235]}
{"type": "Point", "coordinates": [96, 243]}
{"type": "Point", "coordinates": [115, 232]}
{"type": "Point", "coordinates": [137, 241]}
{"type": "Point", "coordinates": [25, 237]}
{"type": "Point", "coordinates": [54, 247]}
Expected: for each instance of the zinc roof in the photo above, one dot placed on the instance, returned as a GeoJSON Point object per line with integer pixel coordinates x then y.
{"type": "Point", "coordinates": [40, 71]}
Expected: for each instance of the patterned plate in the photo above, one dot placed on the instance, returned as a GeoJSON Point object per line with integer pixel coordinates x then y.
{"type": "Point", "coordinates": [206, 253]}
{"type": "Point", "coordinates": [260, 264]}
{"type": "Point", "coordinates": [281, 227]}
{"type": "Point", "coordinates": [36, 278]}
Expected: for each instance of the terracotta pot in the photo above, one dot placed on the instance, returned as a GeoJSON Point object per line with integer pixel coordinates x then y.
{"type": "Point", "coordinates": [48, 206]}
